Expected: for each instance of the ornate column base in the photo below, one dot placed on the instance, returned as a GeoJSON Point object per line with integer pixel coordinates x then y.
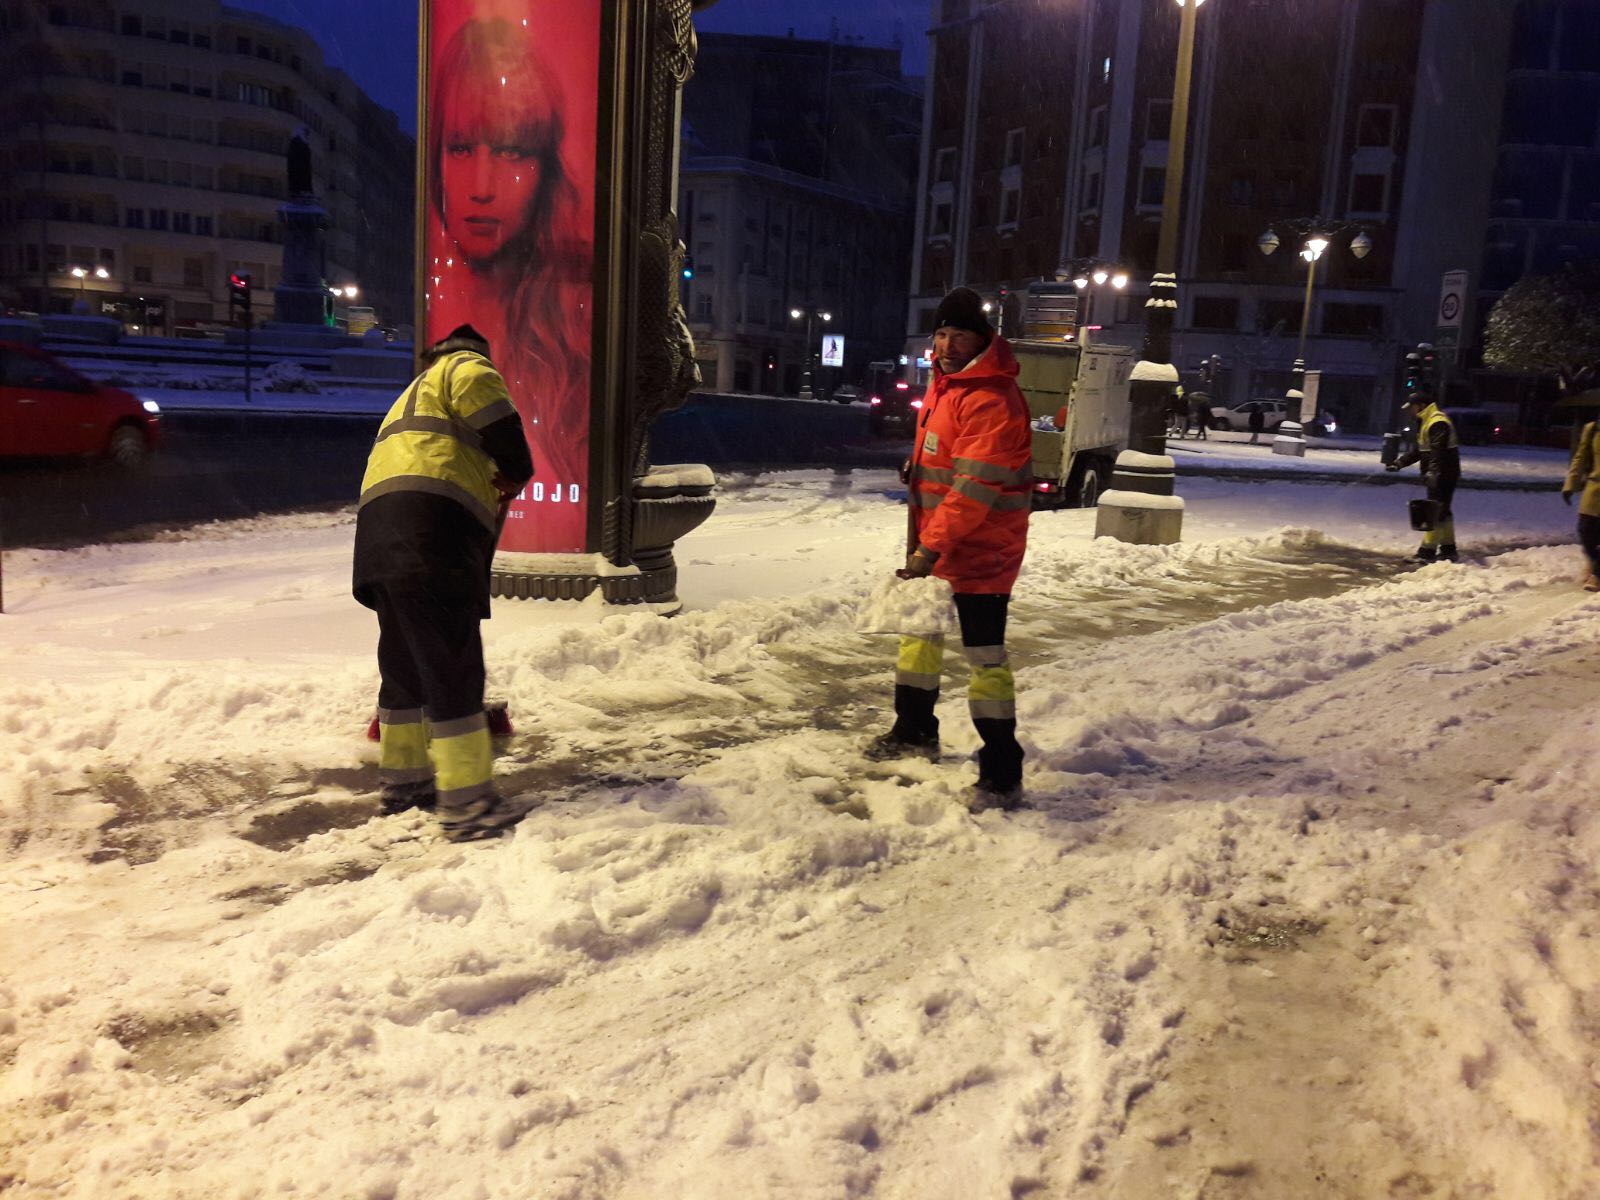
{"type": "Point", "coordinates": [667, 503]}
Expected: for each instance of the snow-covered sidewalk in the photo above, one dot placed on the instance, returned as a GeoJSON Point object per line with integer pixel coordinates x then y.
{"type": "Point", "coordinates": [1305, 904]}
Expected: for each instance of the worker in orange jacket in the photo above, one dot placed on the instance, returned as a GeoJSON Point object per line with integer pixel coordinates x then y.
{"type": "Point", "coordinates": [970, 486]}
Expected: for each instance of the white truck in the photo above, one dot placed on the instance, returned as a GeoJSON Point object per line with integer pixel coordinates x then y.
{"type": "Point", "coordinates": [1078, 398]}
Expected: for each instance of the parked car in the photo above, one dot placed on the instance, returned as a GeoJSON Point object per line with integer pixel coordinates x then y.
{"type": "Point", "coordinates": [894, 409]}
{"type": "Point", "coordinates": [1274, 413]}
{"type": "Point", "coordinates": [49, 410]}
{"type": "Point", "coordinates": [1475, 426]}
{"type": "Point", "coordinates": [846, 393]}
{"type": "Point", "coordinates": [1238, 418]}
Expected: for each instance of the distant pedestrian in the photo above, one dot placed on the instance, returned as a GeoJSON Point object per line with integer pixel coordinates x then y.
{"type": "Point", "coordinates": [1200, 414]}
{"type": "Point", "coordinates": [1439, 452]}
{"type": "Point", "coordinates": [1585, 473]}
{"type": "Point", "coordinates": [449, 453]}
{"type": "Point", "coordinates": [1258, 422]}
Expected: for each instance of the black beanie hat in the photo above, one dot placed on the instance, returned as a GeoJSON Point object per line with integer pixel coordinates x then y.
{"type": "Point", "coordinates": [462, 337]}
{"type": "Point", "coordinates": [963, 309]}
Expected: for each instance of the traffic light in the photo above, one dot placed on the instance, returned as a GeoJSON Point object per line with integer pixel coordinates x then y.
{"type": "Point", "coordinates": [1421, 370]}
{"type": "Point", "coordinates": [239, 296]}
{"type": "Point", "coordinates": [688, 266]}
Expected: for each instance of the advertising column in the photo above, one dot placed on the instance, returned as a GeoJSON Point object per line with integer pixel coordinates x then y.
{"type": "Point", "coordinates": [507, 146]}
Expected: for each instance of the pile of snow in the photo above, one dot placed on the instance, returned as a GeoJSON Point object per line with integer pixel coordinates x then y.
{"type": "Point", "coordinates": [914, 607]}
{"type": "Point", "coordinates": [1306, 896]}
{"type": "Point", "coordinates": [289, 377]}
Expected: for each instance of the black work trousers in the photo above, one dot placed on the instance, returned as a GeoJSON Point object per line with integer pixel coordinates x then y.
{"type": "Point", "coordinates": [1589, 539]}
{"type": "Point", "coordinates": [430, 652]}
{"type": "Point", "coordinates": [991, 694]}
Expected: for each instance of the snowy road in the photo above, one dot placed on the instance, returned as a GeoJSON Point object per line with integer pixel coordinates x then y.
{"type": "Point", "coordinates": [1305, 903]}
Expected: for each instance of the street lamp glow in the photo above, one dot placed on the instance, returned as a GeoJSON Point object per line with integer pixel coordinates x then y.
{"type": "Point", "coordinates": [796, 313]}
{"type": "Point", "coordinates": [77, 272]}
{"type": "Point", "coordinates": [826, 316]}
{"type": "Point", "coordinates": [1101, 276]}
{"type": "Point", "coordinates": [351, 291]}
{"type": "Point", "coordinates": [1080, 282]}
{"type": "Point", "coordinates": [1315, 246]}
{"type": "Point", "coordinates": [101, 273]}
{"type": "Point", "coordinates": [1119, 280]}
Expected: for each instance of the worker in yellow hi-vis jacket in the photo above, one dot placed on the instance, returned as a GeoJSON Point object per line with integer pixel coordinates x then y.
{"type": "Point", "coordinates": [449, 453]}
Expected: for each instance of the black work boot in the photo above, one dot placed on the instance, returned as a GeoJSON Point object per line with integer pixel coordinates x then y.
{"type": "Point", "coordinates": [403, 797]}
{"type": "Point", "coordinates": [1425, 554]}
{"type": "Point", "coordinates": [915, 733]}
{"type": "Point", "coordinates": [999, 765]}
{"type": "Point", "coordinates": [1447, 553]}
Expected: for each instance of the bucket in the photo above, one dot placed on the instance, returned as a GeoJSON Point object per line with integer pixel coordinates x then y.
{"type": "Point", "coordinates": [1424, 515]}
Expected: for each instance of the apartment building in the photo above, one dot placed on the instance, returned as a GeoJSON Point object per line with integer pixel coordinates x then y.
{"type": "Point", "coordinates": [144, 161]}
{"type": "Point", "coordinates": [1046, 148]}
{"type": "Point", "coordinates": [797, 185]}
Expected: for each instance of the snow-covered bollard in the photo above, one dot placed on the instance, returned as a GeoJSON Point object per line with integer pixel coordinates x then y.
{"type": "Point", "coordinates": [1139, 507]}
{"type": "Point", "coordinates": [1290, 439]}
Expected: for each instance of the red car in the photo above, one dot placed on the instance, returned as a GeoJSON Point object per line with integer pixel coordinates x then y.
{"type": "Point", "coordinates": [49, 410]}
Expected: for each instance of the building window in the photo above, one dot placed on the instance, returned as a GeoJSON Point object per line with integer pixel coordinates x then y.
{"type": "Point", "coordinates": [202, 226]}
{"type": "Point", "coordinates": [133, 168]}
{"type": "Point", "coordinates": [1375, 126]}
{"type": "Point", "coordinates": [1369, 194]}
{"type": "Point", "coordinates": [158, 218]}
{"type": "Point", "coordinates": [1010, 207]}
{"type": "Point", "coordinates": [1216, 312]}
{"type": "Point", "coordinates": [1242, 190]}
{"type": "Point", "coordinates": [132, 77]}
{"type": "Point", "coordinates": [142, 273]}
{"type": "Point", "coordinates": [1158, 121]}
{"type": "Point", "coordinates": [181, 222]}
{"type": "Point", "coordinates": [1353, 320]}
{"type": "Point", "coordinates": [1285, 190]}
{"type": "Point", "coordinates": [1097, 127]}
{"type": "Point", "coordinates": [194, 272]}
{"type": "Point", "coordinates": [702, 306]}
{"type": "Point", "coordinates": [1091, 191]}
{"type": "Point", "coordinates": [134, 218]}
{"type": "Point", "coordinates": [944, 165]}
{"type": "Point", "coordinates": [1014, 144]}
{"type": "Point", "coordinates": [1152, 187]}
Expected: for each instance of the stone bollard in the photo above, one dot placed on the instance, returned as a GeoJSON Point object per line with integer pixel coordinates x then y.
{"type": "Point", "coordinates": [1139, 507]}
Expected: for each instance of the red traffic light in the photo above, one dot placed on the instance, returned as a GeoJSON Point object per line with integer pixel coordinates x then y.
{"type": "Point", "coordinates": [239, 279]}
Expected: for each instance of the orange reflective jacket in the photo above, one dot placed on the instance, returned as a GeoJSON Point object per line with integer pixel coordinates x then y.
{"type": "Point", "coordinates": [970, 478]}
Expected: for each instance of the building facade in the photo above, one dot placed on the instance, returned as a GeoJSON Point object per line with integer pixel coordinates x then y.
{"type": "Point", "coordinates": [797, 187]}
{"type": "Point", "coordinates": [143, 161]}
{"type": "Point", "coordinates": [1046, 148]}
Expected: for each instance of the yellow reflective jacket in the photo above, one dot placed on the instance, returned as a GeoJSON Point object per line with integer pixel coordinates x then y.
{"type": "Point", "coordinates": [428, 441]}
{"type": "Point", "coordinates": [1585, 470]}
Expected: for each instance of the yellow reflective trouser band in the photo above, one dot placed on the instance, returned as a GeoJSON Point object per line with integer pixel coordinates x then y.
{"type": "Point", "coordinates": [992, 692]}
{"type": "Point", "coordinates": [463, 759]}
{"type": "Point", "coordinates": [402, 746]}
{"type": "Point", "coordinates": [1442, 534]}
{"type": "Point", "coordinates": [920, 662]}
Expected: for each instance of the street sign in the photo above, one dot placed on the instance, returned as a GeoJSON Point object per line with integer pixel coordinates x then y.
{"type": "Point", "coordinates": [1308, 399]}
{"type": "Point", "coordinates": [1452, 299]}
{"type": "Point", "coordinates": [832, 350]}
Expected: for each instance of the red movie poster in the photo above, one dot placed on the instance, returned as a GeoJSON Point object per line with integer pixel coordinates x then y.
{"type": "Point", "coordinates": [513, 89]}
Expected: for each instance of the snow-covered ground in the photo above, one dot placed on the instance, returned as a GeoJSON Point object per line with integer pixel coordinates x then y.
{"type": "Point", "coordinates": [1305, 903]}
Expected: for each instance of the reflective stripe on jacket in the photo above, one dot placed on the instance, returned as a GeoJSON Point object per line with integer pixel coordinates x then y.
{"type": "Point", "coordinates": [970, 479]}
{"type": "Point", "coordinates": [428, 441]}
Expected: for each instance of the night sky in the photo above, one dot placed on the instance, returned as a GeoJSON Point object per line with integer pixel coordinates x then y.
{"type": "Point", "coordinates": [375, 40]}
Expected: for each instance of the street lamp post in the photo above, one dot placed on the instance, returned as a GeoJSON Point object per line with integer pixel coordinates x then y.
{"type": "Point", "coordinates": [811, 314]}
{"type": "Point", "coordinates": [81, 274]}
{"type": "Point", "coordinates": [1142, 507]}
{"type": "Point", "coordinates": [1100, 277]}
{"type": "Point", "coordinates": [1317, 235]}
